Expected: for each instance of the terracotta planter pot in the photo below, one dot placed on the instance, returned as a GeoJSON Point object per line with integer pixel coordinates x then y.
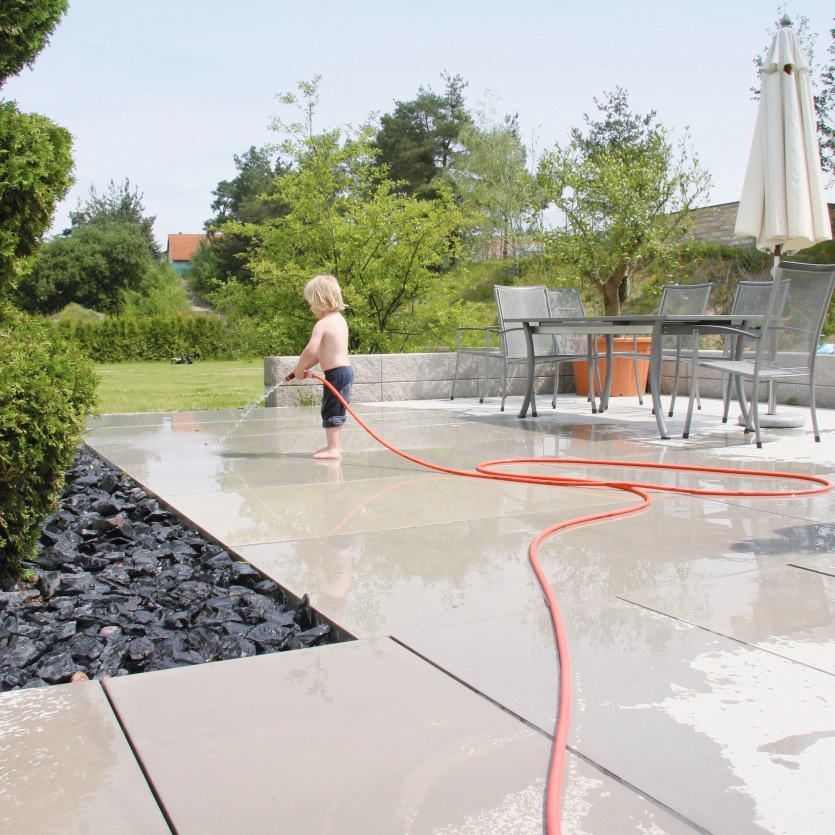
{"type": "Point", "coordinates": [623, 373]}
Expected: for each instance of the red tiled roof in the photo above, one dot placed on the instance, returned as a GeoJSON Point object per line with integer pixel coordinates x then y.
{"type": "Point", "coordinates": [182, 247]}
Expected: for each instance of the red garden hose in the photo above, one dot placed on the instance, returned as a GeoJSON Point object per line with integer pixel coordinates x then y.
{"type": "Point", "coordinates": [487, 470]}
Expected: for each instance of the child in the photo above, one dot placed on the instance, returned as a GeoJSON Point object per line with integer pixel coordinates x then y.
{"type": "Point", "coordinates": [328, 346]}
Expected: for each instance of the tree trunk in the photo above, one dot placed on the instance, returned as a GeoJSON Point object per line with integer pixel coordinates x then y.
{"type": "Point", "coordinates": [612, 304]}
{"type": "Point", "coordinates": [611, 298]}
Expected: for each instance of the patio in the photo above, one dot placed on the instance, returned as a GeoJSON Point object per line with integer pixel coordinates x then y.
{"type": "Point", "coordinates": [702, 637]}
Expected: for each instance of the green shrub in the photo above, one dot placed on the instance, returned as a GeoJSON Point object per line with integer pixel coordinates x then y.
{"type": "Point", "coordinates": [47, 388]}
{"type": "Point", "coordinates": [35, 166]}
{"type": "Point", "coordinates": [125, 338]}
{"type": "Point", "coordinates": [160, 293]}
{"type": "Point", "coordinates": [76, 313]}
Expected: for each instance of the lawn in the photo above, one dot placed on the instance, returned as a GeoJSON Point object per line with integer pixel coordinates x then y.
{"type": "Point", "coordinates": [162, 387]}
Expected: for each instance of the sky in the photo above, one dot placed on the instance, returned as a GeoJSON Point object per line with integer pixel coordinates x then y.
{"type": "Point", "coordinates": [166, 93]}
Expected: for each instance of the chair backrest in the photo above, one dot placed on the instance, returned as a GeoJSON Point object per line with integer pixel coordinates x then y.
{"type": "Point", "coordinates": [685, 300]}
{"type": "Point", "coordinates": [566, 303]}
{"type": "Point", "coordinates": [523, 303]}
{"type": "Point", "coordinates": [797, 308]}
{"type": "Point", "coordinates": [751, 297]}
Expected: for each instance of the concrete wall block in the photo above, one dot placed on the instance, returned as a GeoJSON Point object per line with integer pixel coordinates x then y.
{"type": "Point", "coordinates": [368, 368]}
{"type": "Point", "coordinates": [404, 368]}
{"type": "Point", "coordinates": [425, 390]}
{"type": "Point", "coordinates": [429, 376]}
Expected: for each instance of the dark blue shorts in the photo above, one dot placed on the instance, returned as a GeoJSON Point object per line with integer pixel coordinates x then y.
{"type": "Point", "coordinates": [333, 412]}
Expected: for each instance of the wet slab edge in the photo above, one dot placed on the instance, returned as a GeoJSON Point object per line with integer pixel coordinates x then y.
{"type": "Point", "coordinates": [339, 633]}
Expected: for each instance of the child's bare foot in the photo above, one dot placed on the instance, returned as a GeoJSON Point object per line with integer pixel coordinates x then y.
{"type": "Point", "coordinates": [321, 449]}
{"type": "Point", "coordinates": [327, 453]}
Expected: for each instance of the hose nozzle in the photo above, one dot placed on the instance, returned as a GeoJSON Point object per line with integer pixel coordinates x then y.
{"type": "Point", "coordinates": [292, 376]}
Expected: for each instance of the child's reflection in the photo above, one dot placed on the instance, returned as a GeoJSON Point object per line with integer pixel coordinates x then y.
{"type": "Point", "coordinates": [330, 561]}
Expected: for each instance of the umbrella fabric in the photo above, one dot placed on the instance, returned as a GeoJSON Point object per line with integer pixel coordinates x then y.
{"type": "Point", "coordinates": [783, 200]}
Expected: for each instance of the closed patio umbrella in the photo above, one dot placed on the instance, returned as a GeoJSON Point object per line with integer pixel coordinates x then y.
{"type": "Point", "coordinates": [783, 202]}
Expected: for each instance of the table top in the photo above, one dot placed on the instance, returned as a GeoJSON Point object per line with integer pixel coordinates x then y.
{"type": "Point", "coordinates": [643, 319]}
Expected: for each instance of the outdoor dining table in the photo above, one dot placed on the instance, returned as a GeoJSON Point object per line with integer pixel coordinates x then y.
{"type": "Point", "coordinates": [656, 326]}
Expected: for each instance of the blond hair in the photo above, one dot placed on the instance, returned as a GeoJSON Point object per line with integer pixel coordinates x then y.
{"type": "Point", "coordinates": [322, 292]}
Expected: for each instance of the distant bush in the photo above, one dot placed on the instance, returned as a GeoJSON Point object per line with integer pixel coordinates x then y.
{"type": "Point", "coordinates": [124, 338]}
{"type": "Point", "coordinates": [76, 313]}
{"type": "Point", "coordinates": [47, 388]}
{"type": "Point", "coordinates": [160, 293]}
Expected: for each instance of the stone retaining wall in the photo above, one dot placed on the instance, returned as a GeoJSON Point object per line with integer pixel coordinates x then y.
{"type": "Point", "coordinates": [386, 377]}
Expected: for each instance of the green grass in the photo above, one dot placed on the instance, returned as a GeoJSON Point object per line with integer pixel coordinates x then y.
{"type": "Point", "coordinates": [162, 387]}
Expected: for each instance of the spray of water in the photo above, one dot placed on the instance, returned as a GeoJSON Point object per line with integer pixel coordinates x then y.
{"type": "Point", "coordinates": [247, 411]}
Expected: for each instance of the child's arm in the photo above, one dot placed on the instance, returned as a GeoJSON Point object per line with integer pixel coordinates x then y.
{"type": "Point", "coordinates": [310, 354]}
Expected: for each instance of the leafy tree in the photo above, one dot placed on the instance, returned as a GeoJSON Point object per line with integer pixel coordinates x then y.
{"type": "Point", "coordinates": [418, 140]}
{"type": "Point", "coordinates": [117, 205]}
{"type": "Point", "coordinates": [492, 174]}
{"type": "Point", "coordinates": [247, 198]}
{"type": "Point", "coordinates": [160, 293]}
{"type": "Point", "coordinates": [823, 80]}
{"type": "Point", "coordinates": [47, 388]}
{"type": "Point", "coordinates": [25, 27]}
{"type": "Point", "coordinates": [92, 266]}
{"type": "Point", "coordinates": [35, 166]}
{"type": "Point", "coordinates": [623, 192]}
{"type": "Point", "coordinates": [344, 218]}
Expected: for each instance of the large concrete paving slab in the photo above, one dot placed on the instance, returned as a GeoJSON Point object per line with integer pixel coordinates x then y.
{"type": "Point", "coordinates": [735, 739]}
{"type": "Point", "coordinates": [362, 737]}
{"type": "Point", "coordinates": [66, 767]}
{"type": "Point", "coordinates": [284, 513]}
{"type": "Point", "coordinates": [786, 610]}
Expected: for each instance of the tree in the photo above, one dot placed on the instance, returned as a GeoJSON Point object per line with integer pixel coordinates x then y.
{"type": "Point", "coordinates": [247, 198]}
{"type": "Point", "coordinates": [491, 173]}
{"type": "Point", "coordinates": [419, 139]}
{"type": "Point", "coordinates": [117, 205]}
{"type": "Point", "coordinates": [92, 267]}
{"type": "Point", "coordinates": [823, 80]}
{"type": "Point", "coordinates": [48, 387]}
{"type": "Point", "coordinates": [344, 218]}
{"type": "Point", "coordinates": [35, 154]}
{"type": "Point", "coordinates": [623, 192]}
{"type": "Point", "coordinates": [35, 166]}
{"type": "Point", "coordinates": [25, 27]}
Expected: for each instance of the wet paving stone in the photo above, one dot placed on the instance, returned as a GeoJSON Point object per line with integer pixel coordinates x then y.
{"type": "Point", "coordinates": [121, 587]}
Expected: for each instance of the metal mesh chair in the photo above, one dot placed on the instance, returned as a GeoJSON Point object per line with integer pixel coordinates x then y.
{"type": "Point", "coordinates": [750, 297]}
{"type": "Point", "coordinates": [677, 299]}
{"type": "Point", "coordinates": [785, 348]}
{"type": "Point", "coordinates": [531, 303]}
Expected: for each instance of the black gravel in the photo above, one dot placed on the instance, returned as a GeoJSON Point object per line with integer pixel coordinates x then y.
{"type": "Point", "coordinates": [122, 588]}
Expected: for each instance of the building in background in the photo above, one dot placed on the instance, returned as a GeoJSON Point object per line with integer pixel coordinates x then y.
{"type": "Point", "coordinates": [180, 249]}
{"type": "Point", "coordinates": [715, 225]}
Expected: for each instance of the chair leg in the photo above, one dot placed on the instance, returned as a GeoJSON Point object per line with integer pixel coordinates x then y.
{"type": "Point", "coordinates": [726, 397]}
{"type": "Point", "coordinates": [455, 378]}
{"type": "Point", "coordinates": [484, 384]}
{"type": "Point", "coordinates": [813, 408]}
{"type": "Point", "coordinates": [504, 384]}
{"type": "Point", "coordinates": [694, 388]}
{"type": "Point", "coordinates": [638, 382]}
{"type": "Point", "coordinates": [755, 411]}
{"type": "Point", "coordinates": [556, 384]}
{"type": "Point", "coordinates": [675, 380]}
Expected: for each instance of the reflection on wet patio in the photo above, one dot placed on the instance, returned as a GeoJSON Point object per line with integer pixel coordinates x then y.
{"type": "Point", "coordinates": [702, 630]}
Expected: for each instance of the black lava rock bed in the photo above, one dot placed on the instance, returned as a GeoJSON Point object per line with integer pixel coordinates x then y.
{"type": "Point", "coordinates": [123, 588]}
